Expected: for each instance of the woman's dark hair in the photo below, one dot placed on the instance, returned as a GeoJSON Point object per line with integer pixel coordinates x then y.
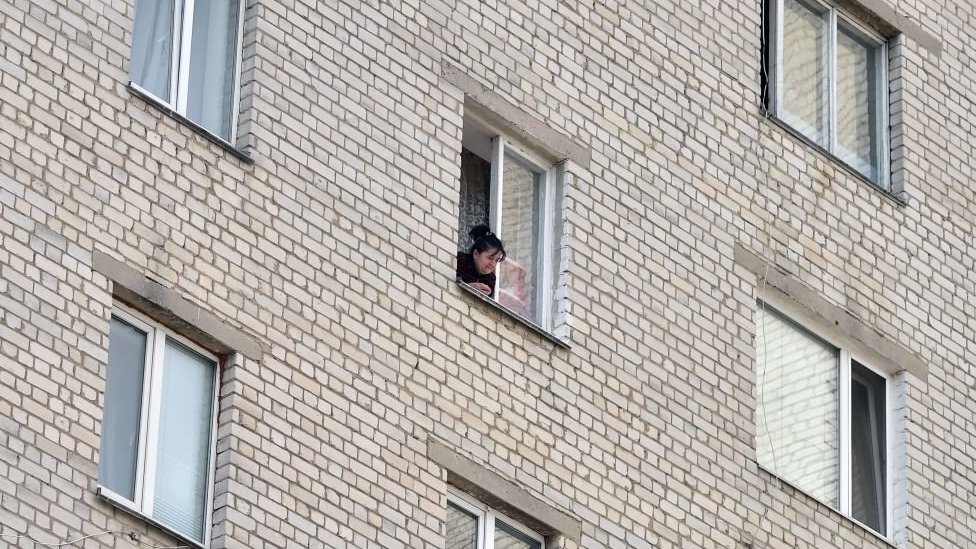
{"type": "Point", "coordinates": [484, 239]}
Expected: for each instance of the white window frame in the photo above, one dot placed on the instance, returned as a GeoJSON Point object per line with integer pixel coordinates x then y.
{"type": "Point", "coordinates": [180, 67]}
{"type": "Point", "coordinates": [844, 360]}
{"type": "Point", "coordinates": [486, 520]}
{"type": "Point", "coordinates": [544, 297]}
{"type": "Point", "coordinates": [835, 15]}
{"type": "Point", "coordinates": [142, 504]}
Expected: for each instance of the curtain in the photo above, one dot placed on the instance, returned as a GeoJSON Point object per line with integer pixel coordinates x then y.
{"type": "Point", "coordinates": [152, 47]}
{"type": "Point", "coordinates": [183, 453]}
{"type": "Point", "coordinates": [213, 65]}
{"type": "Point", "coordinates": [805, 92]}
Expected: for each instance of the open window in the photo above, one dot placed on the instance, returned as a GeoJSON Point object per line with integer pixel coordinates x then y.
{"type": "Point", "coordinates": [823, 421]}
{"type": "Point", "coordinates": [518, 194]}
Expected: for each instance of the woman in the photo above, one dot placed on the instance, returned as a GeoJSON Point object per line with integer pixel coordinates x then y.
{"type": "Point", "coordinates": [477, 266]}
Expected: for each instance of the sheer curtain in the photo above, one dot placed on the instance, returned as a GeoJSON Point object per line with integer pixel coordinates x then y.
{"type": "Point", "coordinates": [213, 65]}
{"type": "Point", "coordinates": [183, 455]}
{"type": "Point", "coordinates": [797, 414]}
{"type": "Point", "coordinates": [118, 457]}
{"type": "Point", "coordinates": [857, 101]}
{"type": "Point", "coordinates": [152, 47]}
{"type": "Point", "coordinates": [805, 88]}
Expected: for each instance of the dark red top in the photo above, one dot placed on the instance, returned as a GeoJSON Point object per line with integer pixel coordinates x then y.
{"type": "Point", "coordinates": [466, 271]}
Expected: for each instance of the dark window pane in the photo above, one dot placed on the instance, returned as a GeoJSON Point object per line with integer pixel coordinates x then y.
{"type": "Point", "coordinates": [117, 460]}
{"type": "Point", "coordinates": [508, 537]}
{"type": "Point", "coordinates": [868, 447]}
{"type": "Point", "coordinates": [462, 529]}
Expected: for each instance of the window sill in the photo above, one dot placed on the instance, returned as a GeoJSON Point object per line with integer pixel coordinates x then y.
{"type": "Point", "coordinates": [898, 198]}
{"type": "Point", "coordinates": [846, 518]}
{"type": "Point", "coordinates": [227, 146]}
{"type": "Point", "coordinates": [121, 504]}
{"type": "Point", "coordinates": [521, 319]}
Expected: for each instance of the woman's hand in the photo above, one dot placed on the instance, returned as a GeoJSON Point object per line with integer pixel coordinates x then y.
{"type": "Point", "coordinates": [481, 287]}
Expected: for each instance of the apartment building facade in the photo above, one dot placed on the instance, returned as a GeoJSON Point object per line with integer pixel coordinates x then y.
{"type": "Point", "coordinates": [738, 308]}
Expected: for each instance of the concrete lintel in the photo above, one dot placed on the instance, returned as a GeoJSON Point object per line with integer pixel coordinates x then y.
{"type": "Point", "coordinates": [169, 308]}
{"type": "Point", "coordinates": [502, 494]}
{"type": "Point", "coordinates": [804, 305]}
{"type": "Point", "coordinates": [493, 107]}
{"type": "Point", "coordinates": [884, 11]}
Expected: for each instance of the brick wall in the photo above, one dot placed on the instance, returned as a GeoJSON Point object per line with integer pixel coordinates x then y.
{"type": "Point", "coordinates": [334, 249]}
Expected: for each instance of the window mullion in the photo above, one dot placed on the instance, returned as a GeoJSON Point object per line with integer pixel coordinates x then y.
{"type": "Point", "coordinates": [155, 377]}
{"type": "Point", "coordinates": [832, 81]}
{"type": "Point", "coordinates": [183, 62]}
{"type": "Point", "coordinates": [497, 188]}
{"type": "Point", "coordinates": [489, 539]}
{"type": "Point", "coordinates": [844, 418]}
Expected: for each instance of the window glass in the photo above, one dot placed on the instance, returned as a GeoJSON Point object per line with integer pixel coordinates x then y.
{"type": "Point", "coordinates": [797, 415]}
{"type": "Point", "coordinates": [213, 64]}
{"type": "Point", "coordinates": [152, 46]}
{"type": "Point", "coordinates": [520, 231]}
{"type": "Point", "coordinates": [804, 74]}
{"type": "Point", "coordinates": [462, 528]}
{"type": "Point", "coordinates": [118, 457]}
{"type": "Point", "coordinates": [868, 447]}
{"type": "Point", "coordinates": [857, 101]}
{"type": "Point", "coordinates": [508, 537]}
{"type": "Point", "coordinates": [183, 453]}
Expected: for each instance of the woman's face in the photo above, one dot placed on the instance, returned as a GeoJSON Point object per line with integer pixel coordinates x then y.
{"type": "Point", "coordinates": [486, 261]}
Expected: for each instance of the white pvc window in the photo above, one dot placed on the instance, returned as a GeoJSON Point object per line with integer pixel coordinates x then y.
{"type": "Point", "coordinates": [823, 421]}
{"type": "Point", "coordinates": [830, 83]}
{"type": "Point", "coordinates": [519, 197]}
{"type": "Point", "coordinates": [157, 446]}
{"type": "Point", "coordinates": [186, 53]}
{"type": "Point", "coordinates": [471, 525]}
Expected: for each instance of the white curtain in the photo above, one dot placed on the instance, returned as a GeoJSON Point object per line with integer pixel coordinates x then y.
{"type": "Point", "coordinates": [213, 65]}
{"type": "Point", "coordinates": [183, 453]}
{"type": "Point", "coordinates": [805, 89]}
{"type": "Point", "coordinates": [857, 101]}
{"type": "Point", "coordinates": [152, 47]}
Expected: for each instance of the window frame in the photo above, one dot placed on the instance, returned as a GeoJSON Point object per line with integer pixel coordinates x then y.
{"type": "Point", "coordinates": [487, 517]}
{"type": "Point", "coordinates": [844, 360]}
{"type": "Point", "coordinates": [544, 296]}
{"type": "Point", "coordinates": [180, 68]}
{"type": "Point", "coordinates": [774, 65]}
{"type": "Point", "coordinates": [147, 454]}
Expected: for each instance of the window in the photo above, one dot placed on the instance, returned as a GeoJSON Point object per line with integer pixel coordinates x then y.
{"type": "Point", "coordinates": [158, 428]}
{"type": "Point", "coordinates": [829, 78]}
{"type": "Point", "coordinates": [518, 195]}
{"type": "Point", "coordinates": [823, 421]}
{"type": "Point", "coordinates": [471, 525]}
{"type": "Point", "coordinates": [185, 53]}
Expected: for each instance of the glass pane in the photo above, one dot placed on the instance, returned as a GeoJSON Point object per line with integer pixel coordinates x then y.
{"type": "Point", "coordinates": [507, 537]}
{"type": "Point", "coordinates": [213, 65]}
{"type": "Point", "coordinates": [803, 98]}
{"type": "Point", "coordinates": [118, 457]}
{"type": "Point", "coordinates": [868, 447]}
{"type": "Point", "coordinates": [858, 97]}
{"type": "Point", "coordinates": [462, 529]}
{"type": "Point", "coordinates": [520, 232]}
{"type": "Point", "coordinates": [152, 47]}
{"type": "Point", "coordinates": [797, 409]}
{"type": "Point", "coordinates": [183, 454]}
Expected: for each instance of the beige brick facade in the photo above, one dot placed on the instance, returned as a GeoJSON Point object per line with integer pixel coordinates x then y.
{"type": "Point", "coordinates": [318, 259]}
